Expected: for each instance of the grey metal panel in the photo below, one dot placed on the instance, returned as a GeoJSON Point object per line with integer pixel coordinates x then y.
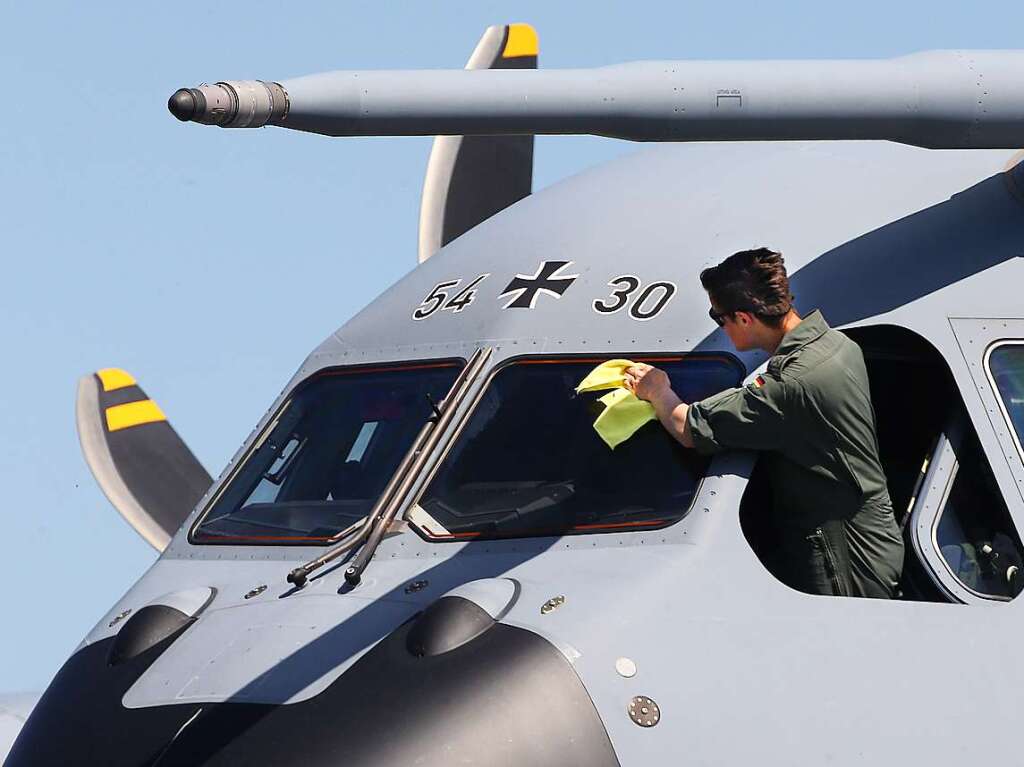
{"type": "Point", "coordinates": [495, 596]}
{"type": "Point", "coordinates": [189, 602]}
{"type": "Point", "coordinates": [241, 654]}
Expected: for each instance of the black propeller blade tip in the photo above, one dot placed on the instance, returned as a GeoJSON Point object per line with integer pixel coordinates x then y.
{"type": "Point", "coordinates": [182, 104]}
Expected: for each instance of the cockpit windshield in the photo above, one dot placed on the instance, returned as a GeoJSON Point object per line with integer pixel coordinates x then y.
{"type": "Point", "coordinates": [529, 463]}
{"type": "Point", "coordinates": [329, 455]}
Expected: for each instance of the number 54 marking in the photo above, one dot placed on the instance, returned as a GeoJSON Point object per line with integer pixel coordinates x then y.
{"type": "Point", "coordinates": [647, 305]}
{"type": "Point", "coordinates": [438, 298]}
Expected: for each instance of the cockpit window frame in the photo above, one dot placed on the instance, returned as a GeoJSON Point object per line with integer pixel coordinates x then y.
{"type": "Point", "coordinates": [930, 506]}
{"type": "Point", "coordinates": [927, 509]}
{"type": "Point", "coordinates": [450, 440]}
{"type": "Point", "coordinates": [997, 395]}
{"type": "Point", "coordinates": [271, 424]}
{"type": "Point", "coordinates": [934, 537]}
{"type": "Point", "coordinates": [974, 337]}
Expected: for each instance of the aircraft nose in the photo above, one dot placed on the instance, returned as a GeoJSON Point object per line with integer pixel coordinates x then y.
{"type": "Point", "coordinates": [451, 685]}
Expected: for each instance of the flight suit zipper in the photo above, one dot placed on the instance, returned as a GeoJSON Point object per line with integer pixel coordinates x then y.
{"type": "Point", "coordinates": [831, 565]}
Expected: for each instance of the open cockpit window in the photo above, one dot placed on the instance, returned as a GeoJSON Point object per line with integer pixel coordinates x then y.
{"type": "Point", "coordinates": [327, 456]}
{"type": "Point", "coordinates": [961, 542]}
{"type": "Point", "coordinates": [529, 463]}
{"type": "Point", "coordinates": [912, 394]}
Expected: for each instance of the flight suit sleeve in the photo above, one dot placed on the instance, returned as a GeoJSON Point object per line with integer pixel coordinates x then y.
{"type": "Point", "coordinates": [748, 418]}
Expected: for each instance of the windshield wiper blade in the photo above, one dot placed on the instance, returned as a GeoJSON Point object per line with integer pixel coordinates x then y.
{"type": "Point", "coordinates": [446, 411]}
{"type": "Point", "coordinates": [373, 527]}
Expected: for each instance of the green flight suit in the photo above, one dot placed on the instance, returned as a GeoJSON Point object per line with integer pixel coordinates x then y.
{"type": "Point", "coordinates": [811, 414]}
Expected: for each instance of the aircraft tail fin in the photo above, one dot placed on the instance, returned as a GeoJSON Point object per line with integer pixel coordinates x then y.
{"type": "Point", "coordinates": [143, 467]}
{"type": "Point", "coordinates": [470, 178]}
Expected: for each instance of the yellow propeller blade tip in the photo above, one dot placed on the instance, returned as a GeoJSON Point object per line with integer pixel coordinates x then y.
{"type": "Point", "coordinates": [114, 378]}
{"type": "Point", "coordinates": [522, 41]}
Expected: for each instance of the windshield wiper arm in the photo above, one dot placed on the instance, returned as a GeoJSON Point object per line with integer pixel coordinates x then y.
{"type": "Point", "coordinates": [372, 528]}
{"type": "Point", "coordinates": [446, 411]}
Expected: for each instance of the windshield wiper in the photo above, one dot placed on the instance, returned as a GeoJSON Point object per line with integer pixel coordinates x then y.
{"type": "Point", "coordinates": [373, 527]}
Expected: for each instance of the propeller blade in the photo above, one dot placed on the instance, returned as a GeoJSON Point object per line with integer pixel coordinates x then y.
{"type": "Point", "coordinates": [143, 467]}
{"type": "Point", "coordinates": [470, 178]}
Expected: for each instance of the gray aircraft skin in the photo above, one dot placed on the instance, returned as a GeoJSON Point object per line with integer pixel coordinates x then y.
{"type": "Point", "coordinates": [663, 644]}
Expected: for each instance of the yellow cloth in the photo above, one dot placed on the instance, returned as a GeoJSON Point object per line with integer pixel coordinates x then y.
{"type": "Point", "coordinates": [624, 412]}
{"type": "Point", "coordinates": [607, 375]}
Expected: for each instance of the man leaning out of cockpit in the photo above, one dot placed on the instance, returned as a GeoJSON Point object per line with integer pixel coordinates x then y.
{"type": "Point", "coordinates": [811, 417]}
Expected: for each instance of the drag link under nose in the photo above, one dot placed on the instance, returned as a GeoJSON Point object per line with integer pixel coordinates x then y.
{"type": "Point", "coordinates": [231, 104]}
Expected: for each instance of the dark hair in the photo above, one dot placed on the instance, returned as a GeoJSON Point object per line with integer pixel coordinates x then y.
{"type": "Point", "coordinates": [752, 281]}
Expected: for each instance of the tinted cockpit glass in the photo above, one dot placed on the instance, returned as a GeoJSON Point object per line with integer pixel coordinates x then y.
{"type": "Point", "coordinates": [975, 533]}
{"type": "Point", "coordinates": [529, 462]}
{"type": "Point", "coordinates": [1006, 364]}
{"type": "Point", "coordinates": [334, 447]}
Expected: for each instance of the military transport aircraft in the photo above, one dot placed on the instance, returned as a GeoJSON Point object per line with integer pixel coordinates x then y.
{"type": "Point", "coordinates": [424, 554]}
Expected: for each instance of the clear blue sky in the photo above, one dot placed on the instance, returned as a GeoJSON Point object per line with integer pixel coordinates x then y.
{"type": "Point", "coordinates": [208, 263]}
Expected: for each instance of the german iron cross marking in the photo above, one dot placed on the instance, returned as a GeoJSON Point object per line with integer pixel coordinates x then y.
{"type": "Point", "coordinates": [525, 288]}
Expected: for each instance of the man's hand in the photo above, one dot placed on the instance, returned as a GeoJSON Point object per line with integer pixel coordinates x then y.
{"type": "Point", "coordinates": [651, 384]}
{"type": "Point", "coordinates": [646, 382]}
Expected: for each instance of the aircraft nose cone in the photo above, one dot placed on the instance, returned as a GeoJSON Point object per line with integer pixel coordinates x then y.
{"type": "Point", "coordinates": [182, 104]}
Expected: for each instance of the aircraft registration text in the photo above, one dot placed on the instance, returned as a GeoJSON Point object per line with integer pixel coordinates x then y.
{"type": "Point", "coordinates": [629, 293]}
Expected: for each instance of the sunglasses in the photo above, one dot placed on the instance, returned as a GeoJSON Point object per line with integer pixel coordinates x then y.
{"type": "Point", "coordinates": [719, 317]}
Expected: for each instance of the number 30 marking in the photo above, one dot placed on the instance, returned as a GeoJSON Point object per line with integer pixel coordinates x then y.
{"type": "Point", "coordinates": [621, 295]}
{"type": "Point", "coordinates": [642, 308]}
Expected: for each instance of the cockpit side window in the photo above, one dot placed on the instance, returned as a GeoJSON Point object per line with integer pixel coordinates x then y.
{"type": "Point", "coordinates": [327, 456]}
{"type": "Point", "coordinates": [529, 463]}
{"type": "Point", "coordinates": [974, 532]}
{"type": "Point", "coordinates": [1005, 363]}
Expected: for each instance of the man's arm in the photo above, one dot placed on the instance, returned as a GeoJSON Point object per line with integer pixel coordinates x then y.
{"type": "Point", "coordinates": [672, 412]}
{"type": "Point", "coordinates": [651, 384]}
{"type": "Point", "coordinates": [745, 418]}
